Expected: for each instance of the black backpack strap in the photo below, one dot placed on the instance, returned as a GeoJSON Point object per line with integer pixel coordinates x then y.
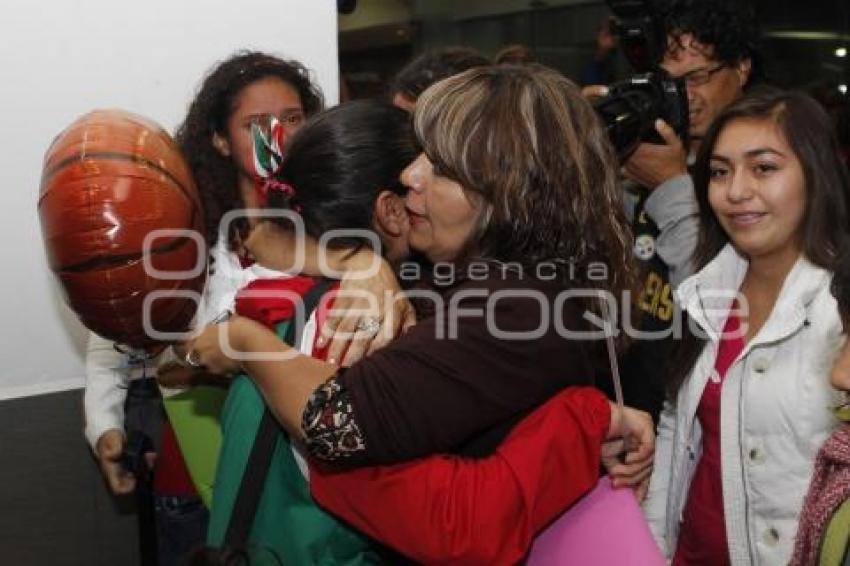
{"type": "Point", "coordinates": [256, 470]}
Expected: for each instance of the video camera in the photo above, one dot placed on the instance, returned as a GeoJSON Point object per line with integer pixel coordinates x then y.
{"type": "Point", "coordinates": [630, 108]}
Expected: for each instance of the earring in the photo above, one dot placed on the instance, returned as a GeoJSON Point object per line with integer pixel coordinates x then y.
{"type": "Point", "coordinates": [221, 145]}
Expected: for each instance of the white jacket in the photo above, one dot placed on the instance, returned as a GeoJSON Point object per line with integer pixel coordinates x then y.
{"type": "Point", "coordinates": [775, 411]}
{"type": "Point", "coordinates": [108, 373]}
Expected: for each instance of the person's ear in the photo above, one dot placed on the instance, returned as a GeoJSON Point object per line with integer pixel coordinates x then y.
{"type": "Point", "coordinates": [390, 214]}
{"type": "Point", "coordinates": [743, 69]}
{"type": "Point", "coordinates": [221, 144]}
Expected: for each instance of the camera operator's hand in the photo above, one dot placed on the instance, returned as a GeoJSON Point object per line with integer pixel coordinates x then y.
{"type": "Point", "coordinates": [108, 451]}
{"type": "Point", "coordinates": [592, 92]}
{"type": "Point", "coordinates": [653, 164]}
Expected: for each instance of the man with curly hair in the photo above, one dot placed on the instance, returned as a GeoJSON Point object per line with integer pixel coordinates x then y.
{"type": "Point", "coordinates": [712, 45]}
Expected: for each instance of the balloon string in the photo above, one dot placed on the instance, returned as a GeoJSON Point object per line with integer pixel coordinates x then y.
{"type": "Point", "coordinates": [610, 330]}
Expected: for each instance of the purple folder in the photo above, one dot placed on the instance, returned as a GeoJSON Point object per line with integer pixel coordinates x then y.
{"type": "Point", "coordinates": [606, 527]}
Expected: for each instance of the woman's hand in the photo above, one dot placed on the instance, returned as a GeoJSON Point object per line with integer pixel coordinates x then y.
{"type": "Point", "coordinates": [369, 310]}
{"type": "Point", "coordinates": [629, 451]}
{"type": "Point", "coordinates": [177, 373]}
{"type": "Point", "coordinates": [217, 348]}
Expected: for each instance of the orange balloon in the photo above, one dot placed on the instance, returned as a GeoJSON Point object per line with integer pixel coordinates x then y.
{"type": "Point", "coordinates": [109, 180]}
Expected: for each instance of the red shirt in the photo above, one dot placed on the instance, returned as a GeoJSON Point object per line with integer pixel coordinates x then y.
{"type": "Point", "coordinates": [702, 539]}
{"type": "Point", "coordinates": [451, 510]}
{"type": "Point", "coordinates": [171, 476]}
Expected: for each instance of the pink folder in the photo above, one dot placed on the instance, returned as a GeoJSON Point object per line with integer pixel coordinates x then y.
{"type": "Point", "coordinates": [605, 528]}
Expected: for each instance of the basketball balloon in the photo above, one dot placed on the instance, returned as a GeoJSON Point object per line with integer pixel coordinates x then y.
{"type": "Point", "coordinates": [110, 180]}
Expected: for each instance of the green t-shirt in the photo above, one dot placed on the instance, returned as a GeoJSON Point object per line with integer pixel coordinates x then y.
{"type": "Point", "coordinates": [288, 523]}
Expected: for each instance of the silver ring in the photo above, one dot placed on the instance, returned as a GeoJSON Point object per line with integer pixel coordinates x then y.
{"type": "Point", "coordinates": [368, 325]}
{"type": "Point", "coordinates": [193, 359]}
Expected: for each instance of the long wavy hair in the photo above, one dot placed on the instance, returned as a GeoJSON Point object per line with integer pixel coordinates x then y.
{"type": "Point", "coordinates": [209, 112]}
{"type": "Point", "coordinates": [810, 134]}
{"type": "Point", "coordinates": [523, 141]}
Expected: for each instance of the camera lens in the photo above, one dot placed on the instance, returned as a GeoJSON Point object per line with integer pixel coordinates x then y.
{"type": "Point", "coordinates": [630, 109]}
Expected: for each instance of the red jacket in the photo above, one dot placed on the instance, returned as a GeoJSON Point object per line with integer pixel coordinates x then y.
{"type": "Point", "coordinates": [451, 510]}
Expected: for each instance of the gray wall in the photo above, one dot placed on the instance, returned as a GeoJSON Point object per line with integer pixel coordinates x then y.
{"type": "Point", "coordinates": [54, 507]}
{"type": "Point", "coordinates": [562, 35]}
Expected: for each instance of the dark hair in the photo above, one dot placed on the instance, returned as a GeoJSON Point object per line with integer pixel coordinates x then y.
{"type": "Point", "coordinates": [215, 174]}
{"type": "Point", "coordinates": [810, 135]}
{"type": "Point", "coordinates": [432, 66]}
{"type": "Point", "coordinates": [515, 54]}
{"type": "Point", "coordinates": [729, 26]}
{"type": "Point", "coordinates": [841, 284]}
{"type": "Point", "coordinates": [339, 162]}
{"type": "Point", "coordinates": [523, 140]}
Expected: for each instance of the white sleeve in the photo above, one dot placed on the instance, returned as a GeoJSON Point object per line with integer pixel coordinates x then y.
{"type": "Point", "coordinates": [673, 207]}
{"type": "Point", "coordinates": [106, 388]}
{"type": "Point", "coordinates": [223, 280]}
{"type": "Point", "coordinates": [655, 504]}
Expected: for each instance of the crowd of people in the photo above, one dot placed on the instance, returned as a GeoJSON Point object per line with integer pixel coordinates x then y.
{"type": "Point", "coordinates": [373, 417]}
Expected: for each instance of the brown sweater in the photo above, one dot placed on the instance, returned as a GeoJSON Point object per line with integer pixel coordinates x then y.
{"type": "Point", "coordinates": [455, 382]}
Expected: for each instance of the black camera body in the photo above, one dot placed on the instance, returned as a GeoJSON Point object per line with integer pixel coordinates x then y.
{"type": "Point", "coordinates": [631, 107]}
{"type": "Point", "coordinates": [641, 39]}
{"type": "Point", "coordinates": [630, 110]}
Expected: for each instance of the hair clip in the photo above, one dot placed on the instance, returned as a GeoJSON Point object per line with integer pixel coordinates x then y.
{"type": "Point", "coordinates": [279, 186]}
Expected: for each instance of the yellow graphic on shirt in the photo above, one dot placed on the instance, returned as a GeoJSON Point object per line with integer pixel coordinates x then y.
{"type": "Point", "coordinates": [657, 297]}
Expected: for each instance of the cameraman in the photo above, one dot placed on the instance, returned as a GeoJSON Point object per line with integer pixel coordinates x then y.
{"type": "Point", "coordinates": [711, 44]}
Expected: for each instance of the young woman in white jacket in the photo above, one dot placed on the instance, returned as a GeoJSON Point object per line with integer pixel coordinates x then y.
{"type": "Point", "coordinates": [749, 397]}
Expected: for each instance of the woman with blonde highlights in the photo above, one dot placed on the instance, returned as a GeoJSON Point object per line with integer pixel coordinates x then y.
{"type": "Point", "coordinates": [534, 156]}
{"type": "Point", "coordinates": [515, 169]}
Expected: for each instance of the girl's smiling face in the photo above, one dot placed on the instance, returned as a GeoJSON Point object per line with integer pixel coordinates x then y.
{"type": "Point", "coordinates": [757, 189]}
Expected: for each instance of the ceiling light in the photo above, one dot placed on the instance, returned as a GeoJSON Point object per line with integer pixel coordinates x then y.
{"type": "Point", "coordinates": [841, 52]}
{"type": "Point", "coordinates": [842, 89]}
{"type": "Point", "coordinates": [810, 35]}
